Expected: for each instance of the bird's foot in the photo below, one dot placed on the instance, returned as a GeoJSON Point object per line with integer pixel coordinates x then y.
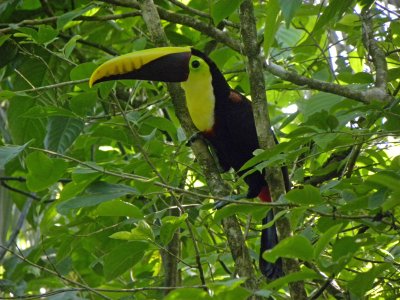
{"type": "Point", "coordinates": [193, 138]}
{"type": "Point", "coordinates": [229, 199]}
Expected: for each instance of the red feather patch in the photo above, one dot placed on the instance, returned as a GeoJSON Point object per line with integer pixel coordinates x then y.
{"type": "Point", "coordinates": [265, 195]}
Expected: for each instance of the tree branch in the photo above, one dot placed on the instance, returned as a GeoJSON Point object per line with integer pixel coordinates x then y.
{"type": "Point", "coordinates": [153, 23]}
{"type": "Point", "coordinates": [263, 126]}
{"type": "Point", "coordinates": [377, 54]}
{"type": "Point", "coordinates": [53, 19]}
{"type": "Point", "coordinates": [232, 229]}
{"type": "Point", "coordinates": [205, 28]}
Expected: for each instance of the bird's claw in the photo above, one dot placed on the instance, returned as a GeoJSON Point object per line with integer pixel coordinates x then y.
{"type": "Point", "coordinates": [193, 138]}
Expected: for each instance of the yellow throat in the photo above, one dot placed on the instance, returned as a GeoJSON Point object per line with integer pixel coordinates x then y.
{"type": "Point", "coordinates": [200, 99]}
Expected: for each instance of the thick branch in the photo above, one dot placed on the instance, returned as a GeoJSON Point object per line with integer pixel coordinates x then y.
{"type": "Point", "coordinates": [263, 125]}
{"type": "Point", "coordinates": [78, 18]}
{"type": "Point", "coordinates": [319, 85]}
{"type": "Point", "coordinates": [377, 54]}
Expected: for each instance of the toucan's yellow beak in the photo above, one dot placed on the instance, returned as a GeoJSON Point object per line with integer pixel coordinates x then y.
{"type": "Point", "coordinates": [167, 64]}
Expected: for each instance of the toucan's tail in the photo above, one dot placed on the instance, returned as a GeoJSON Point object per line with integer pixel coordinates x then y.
{"type": "Point", "coordinates": [269, 236]}
{"type": "Point", "coordinates": [269, 239]}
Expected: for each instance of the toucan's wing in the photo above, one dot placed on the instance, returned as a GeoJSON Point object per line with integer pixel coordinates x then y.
{"type": "Point", "coordinates": [240, 127]}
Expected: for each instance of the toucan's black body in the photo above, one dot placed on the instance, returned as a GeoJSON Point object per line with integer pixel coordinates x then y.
{"type": "Point", "coordinates": [234, 138]}
{"type": "Point", "coordinates": [231, 131]}
{"type": "Point", "coordinates": [233, 135]}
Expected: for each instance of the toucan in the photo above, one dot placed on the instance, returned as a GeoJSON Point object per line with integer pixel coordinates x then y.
{"type": "Point", "coordinates": [223, 116]}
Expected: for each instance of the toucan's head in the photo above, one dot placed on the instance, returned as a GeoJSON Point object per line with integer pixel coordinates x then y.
{"type": "Point", "coordinates": [166, 64]}
{"type": "Point", "coordinates": [200, 78]}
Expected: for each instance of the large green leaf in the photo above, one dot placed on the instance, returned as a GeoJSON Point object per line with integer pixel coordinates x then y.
{"type": "Point", "coordinates": [69, 16]}
{"type": "Point", "coordinates": [305, 196]}
{"type": "Point", "coordinates": [62, 132]}
{"type": "Point", "coordinates": [8, 153]}
{"type": "Point", "coordinates": [169, 226]}
{"type": "Point", "coordinates": [122, 258]}
{"type": "Point", "coordinates": [363, 282]}
{"type": "Point", "coordinates": [292, 247]}
{"type": "Point", "coordinates": [304, 274]}
{"type": "Point", "coordinates": [272, 22]}
{"type": "Point", "coordinates": [47, 111]}
{"type": "Point", "coordinates": [317, 103]}
{"type": "Point", "coordinates": [95, 194]}
{"type": "Point", "coordinates": [289, 8]}
{"type": "Point", "coordinates": [222, 9]}
{"type": "Point", "coordinates": [325, 239]}
{"type": "Point", "coordinates": [332, 12]}
{"type": "Point", "coordinates": [43, 171]}
{"type": "Point", "coordinates": [24, 129]}
{"type": "Point", "coordinates": [142, 232]}
{"type": "Point", "coordinates": [118, 208]}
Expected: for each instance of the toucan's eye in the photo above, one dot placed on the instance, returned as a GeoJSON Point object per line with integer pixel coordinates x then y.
{"type": "Point", "coordinates": [195, 64]}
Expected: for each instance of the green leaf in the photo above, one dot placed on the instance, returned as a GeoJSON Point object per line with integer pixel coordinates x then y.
{"type": "Point", "coordinates": [363, 282]}
{"type": "Point", "coordinates": [69, 16]}
{"type": "Point", "coordinates": [8, 153]}
{"type": "Point", "coordinates": [223, 9]}
{"type": "Point", "coordinates": [70, 45]}
{"type": "Point", "coordinates": [83, 71]}
{"type": "Point", "coordinates": [305, 196]}
{"type": "Point", "coordinates": [324, 240]}
{"type": "Point", "coordinates": [163, 124]}
{"type": "Point", "coordinates": [392, 201]}
{"type": "Point", "coordinates": [28, 32]}
{"type": "Point", "coordinates": [122, 235]}
{"type": "Point", "coordinates": [118, 208]}
{"type": "Point", "coordinates": [122, 258]}
{"type": "Point", "coordinates": [4, 38]}
{"type": "Point", "coordinates": [317, 103]}
{"type": "Point", "coordinates": [304, 274]}
{"type": "Point", "coordinates": [389, 180]}
{"type": "Point", "coordinates": [292, 247]}
{"type": "Point", "coordinates": [188, 293]}
{"type": "Point", "coordinates": [43, 171]}
{"type": "Point", "coordinates": [24, 129]}
{"type": "Point", "coordinates": [233, 209]}
{"type": "Point", "coordinates": [272, 22]}
{"type": "Point", "coordinates": [289, 8]}
{"type": "Point", "coordinates": [62, 132]}
{"type": "Point", "coordinates": [142, 232]}
{"type": "Point", "coordinates": [97, 193]}
{"type": "Point", "coordinates": [332, 13]}
{"type": "Point", "coordinates": [38, 112]}
{"type": "Point", "coordinates": [46, 34]}
{"type": "Point", "coordinates": [83, 104]}
{"type": "Point", "coordinates": [6, 94]}
{"type": "Point", "coordinates": [343, 250]}
{"type": "Point", "coordinates": [169, 226]}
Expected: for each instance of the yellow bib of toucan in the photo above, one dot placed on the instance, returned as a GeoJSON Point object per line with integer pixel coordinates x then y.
{"type": "Point", "coordinates": [200, 99]}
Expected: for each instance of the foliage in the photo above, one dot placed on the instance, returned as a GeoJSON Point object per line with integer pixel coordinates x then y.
{"type": "Point", "coordinates": [113, 183]}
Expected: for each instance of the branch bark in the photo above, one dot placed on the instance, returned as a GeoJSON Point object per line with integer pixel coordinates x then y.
{"type": "Point", "coordinates": [263, 126]}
